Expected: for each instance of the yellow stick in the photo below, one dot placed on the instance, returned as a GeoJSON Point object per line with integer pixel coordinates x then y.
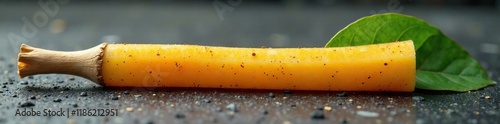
{"type": "Point", "coordinates": [380, 67]}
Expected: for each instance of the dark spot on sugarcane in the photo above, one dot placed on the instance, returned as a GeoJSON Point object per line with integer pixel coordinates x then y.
{"type": "Point", "coordinates": [369, 77]}
{"type": "Point", "coordinates": [385, 64]}
{"type": "Point", "coordinates": [157, 54]}
{"type": "Point", "coordinates": [362, 82]}
{"type": "Point", "coordinates": [380, 72]}
{"type": "Point", "coordinates": [253, 54]}
{"type": "Point", "coordinates": [128, 56]}
{"type": "Point", "coordinates": [242, 66]}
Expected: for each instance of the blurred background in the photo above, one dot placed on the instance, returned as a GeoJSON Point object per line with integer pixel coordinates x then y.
{"type": "Point", "coordinates": [75, 25]}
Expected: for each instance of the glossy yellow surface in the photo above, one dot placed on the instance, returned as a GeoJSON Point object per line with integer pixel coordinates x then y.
{"type": "Point", "coordinates": [380, 67]}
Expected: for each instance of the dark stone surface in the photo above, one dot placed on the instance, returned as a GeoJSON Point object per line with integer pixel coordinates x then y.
{"type": "Point", "coordinates": [250, 24]}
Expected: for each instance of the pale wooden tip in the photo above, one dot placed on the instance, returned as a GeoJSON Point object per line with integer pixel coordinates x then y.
{"type": "Point", "coordinates": [84, 63]}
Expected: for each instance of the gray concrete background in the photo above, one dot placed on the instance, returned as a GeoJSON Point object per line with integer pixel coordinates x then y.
{"type": "Point", "coordinates": [250, 24]}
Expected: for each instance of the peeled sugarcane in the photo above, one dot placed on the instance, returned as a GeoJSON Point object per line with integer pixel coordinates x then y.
{"type": "Point", "coordinates": [378, 67]}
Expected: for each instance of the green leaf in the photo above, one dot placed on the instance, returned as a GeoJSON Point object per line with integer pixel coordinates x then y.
{"type": "Point", "coordinates": [442, 64]}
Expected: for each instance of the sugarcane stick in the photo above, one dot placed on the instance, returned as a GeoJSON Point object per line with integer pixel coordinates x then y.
{"type": "Point", "coordinates": [378, 67]}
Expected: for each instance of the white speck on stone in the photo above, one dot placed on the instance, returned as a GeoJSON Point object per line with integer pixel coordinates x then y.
{"type": "Point", "coordinates": [327, 108]}
{"type": "Point", "coordinates": [129, 109]}
{"type": "Point", "coordinates": [367, 114]}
